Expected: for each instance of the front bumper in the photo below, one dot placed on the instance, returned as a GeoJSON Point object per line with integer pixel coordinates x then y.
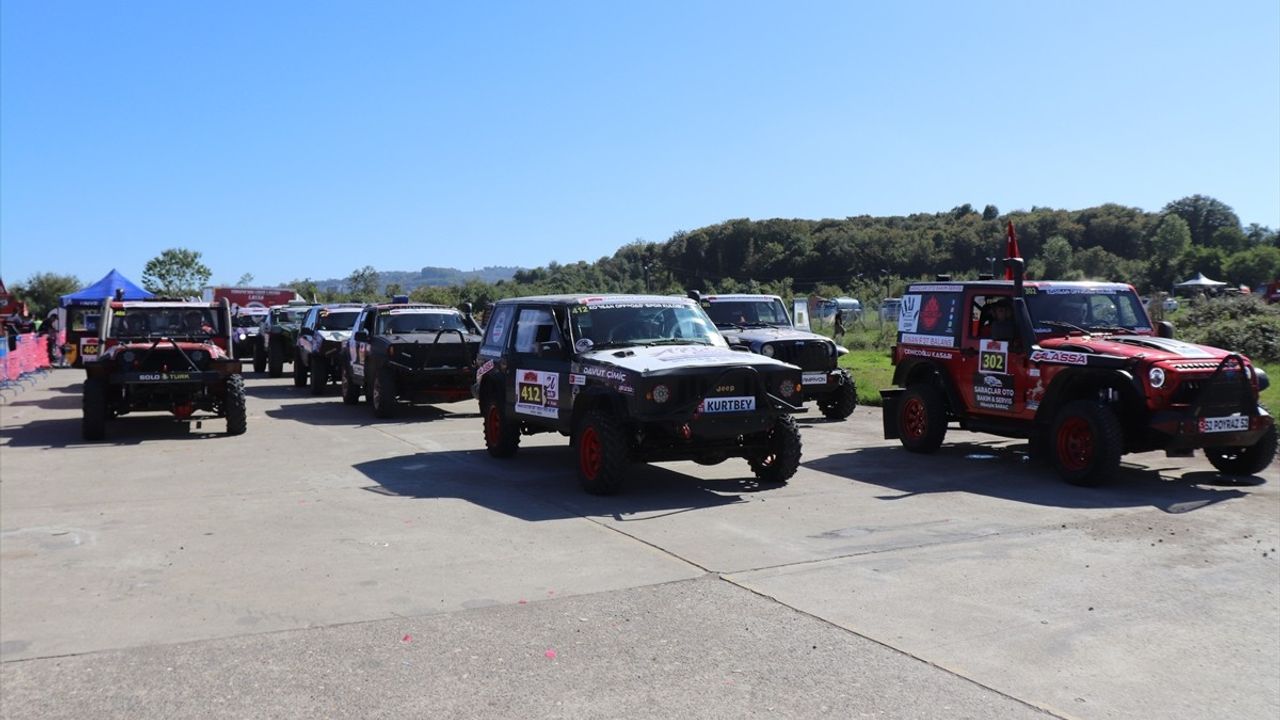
{"type": "Point", "coordinates": [1183, 430]}
{"type": "Point", "coordinates": [821, 383]}
{"type": "Point", "coordinates": [433, 385]}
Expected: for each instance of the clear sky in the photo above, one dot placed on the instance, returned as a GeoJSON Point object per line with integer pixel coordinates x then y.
{"type": "Point", "coordinates": [307, 139]}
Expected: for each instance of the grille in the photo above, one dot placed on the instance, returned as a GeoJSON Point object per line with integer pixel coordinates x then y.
{"type": "Point", "coordinates": [428, 355]}
{"type": "Point", "coordinates": [159, 360]}
{"type": "Point", "coordinates": [1196, 365]}
{"type": "Point", "coordinates": [807, 355]}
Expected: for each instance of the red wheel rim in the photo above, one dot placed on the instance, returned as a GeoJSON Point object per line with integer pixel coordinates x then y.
{"type": "Point", "coordinates": [589, 453]}
{"type": "Point", "coordinates": [495, 424]}
{"type": "Point", "coordinates": [914, 419]}
{"type": "Point", "coordinates": [1075, 444]}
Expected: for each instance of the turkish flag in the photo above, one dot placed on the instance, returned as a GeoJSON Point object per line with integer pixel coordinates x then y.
{"type": "Point", "coordinates": [1011, 249]}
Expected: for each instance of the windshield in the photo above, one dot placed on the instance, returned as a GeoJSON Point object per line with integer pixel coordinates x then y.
{"type": "Point", "coordinates": [1090, 309]}
{"type": "Point", "coordinates": [336, 320]}
{"type": "Point", "coordinates": [246, 320]}
{"type": "Point", "coordinates": [765, 311]}
{"type": "Point", "coordinates": [148, 322]}
{"type": "Point", "coordinates": [643, 323]}
{"type": "Point", "coordinates": [396, 322]}
{"type": "Point", "coordinates": [288, 316]}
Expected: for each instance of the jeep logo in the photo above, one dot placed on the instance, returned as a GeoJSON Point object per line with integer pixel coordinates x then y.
{"type": "Point", "coordinates": [724, 388]}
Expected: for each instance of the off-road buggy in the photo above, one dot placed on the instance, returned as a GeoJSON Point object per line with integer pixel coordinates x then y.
{"type": "Point", "coordinates": [760, 323]}
{"type": "Point", "coordinates": [322, 339]}
{"type": "Point", "coordinates": [279, 338]}
{"type": "Point", "coordinates": [1077, 368]}
{"type": "Point", "coordinates": [164, 356]}
{"type": "Point", "coordinates": [414, 352]}
{"type": "Point", "coordinates": [246, 334]}
{"type": "Point", "coordinates": [633, 379]}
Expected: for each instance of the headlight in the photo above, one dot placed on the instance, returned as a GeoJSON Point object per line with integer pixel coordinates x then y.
{"type": "Point", "coordinates": [766, 350]}
{"type": "Point", "coordinates": [127, 356]}
{"type": "Point", "coordinates": [1156, 377]}
{"type": "Point", "coordinates": [787, 388]}
{"type": "Point", "coordinates": [241, 336]}
{"type": "Point", "coordinates": [197, 356]}
{"type": "Point", "coordinates": [661, 393]}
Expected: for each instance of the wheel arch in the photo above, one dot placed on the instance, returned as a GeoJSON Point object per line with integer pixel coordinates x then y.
{"type": "Point", "coordinates": [926, 371]}
{"type": "Point", "coordinates": [1087, 384]}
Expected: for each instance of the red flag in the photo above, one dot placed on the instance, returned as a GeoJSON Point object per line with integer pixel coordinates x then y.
{"type": "Point", "coordinates": [1011, 249]}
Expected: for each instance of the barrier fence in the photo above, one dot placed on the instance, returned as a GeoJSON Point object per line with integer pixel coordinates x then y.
{"type": "Point", "coordinates": [30, 354]}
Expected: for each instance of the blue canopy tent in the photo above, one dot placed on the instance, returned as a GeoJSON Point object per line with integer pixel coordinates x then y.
{"type": "Point", "coordinates": [106, 288]}
{"type": "Point", "coordinates": [80, 311]}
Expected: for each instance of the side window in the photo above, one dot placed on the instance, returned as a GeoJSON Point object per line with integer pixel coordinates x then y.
{"type": "Point", "coordinates": [495, 336]}
{"type": "Point", "coordinates": [534, 326]}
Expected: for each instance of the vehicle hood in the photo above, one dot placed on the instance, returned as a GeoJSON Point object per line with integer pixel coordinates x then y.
{"type": "Point", "coordinates": [1152, 349]}
{"type": "Point", "coordinates": [429, 338]}
{"type": "Point", "coordinates": [756, 335]}
{"type": "Point", "coordinates": [214, 351]}
{"type": "Point", "coordinates": [665, 358]}
{"type": "Point", "coordinates": [334, 335]}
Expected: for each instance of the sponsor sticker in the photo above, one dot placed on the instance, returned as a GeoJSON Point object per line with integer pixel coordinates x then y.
{"type": "Point", "coordinates": [1060, 357]}
{"type": "Point", "coordinates": [938, 354]}
{"type": "Point", "coordinates": [909, 314]}
{"type": "Point", "coordinates": [936, 288]}
{"type": "Point", "coordinates": [813, 378]}
{"type": "Point", "coordinates": [932, 340]}
{"type": "Point", "coordinates": [576, 379]}
{"type": "Point", "coordinates": [486, 367]}
{"type": "Point", "coordinates": [993, 392]}
{"type": "Point", "coordinates": [727, 405]}
{"type": "Point", "coordinates": [538, 393]}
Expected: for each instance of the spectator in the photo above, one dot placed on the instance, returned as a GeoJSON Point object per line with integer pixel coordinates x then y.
{"type": "Point", "coordinates": [839, 331]}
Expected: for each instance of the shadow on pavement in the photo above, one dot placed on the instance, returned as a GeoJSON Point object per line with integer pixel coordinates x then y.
{"type": "Point", "coordinates": [128, 430]}
{"type": "Point", "coordinates": [331, 411]}
{"type": "Point", "coordinates": [53, 402]}
{"type": "Point", "coordinates": [540, 483]}
{"type": "Point", "coordinates": [1005, 472]}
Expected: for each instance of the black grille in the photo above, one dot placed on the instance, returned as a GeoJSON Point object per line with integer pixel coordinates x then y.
{"type": "Point", "coordinates": [807, 355]}
{"type": "Point", "coordinates": [161, 360]}
{"type": "Point", "coordinates": [441, 354]}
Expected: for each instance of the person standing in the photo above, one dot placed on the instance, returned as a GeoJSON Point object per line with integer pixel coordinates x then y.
{"type": "Point", "coordinates": [839, 331]}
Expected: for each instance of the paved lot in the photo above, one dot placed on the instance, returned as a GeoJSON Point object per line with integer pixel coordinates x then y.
{"type": "Point", "coordinates": [328, 564]}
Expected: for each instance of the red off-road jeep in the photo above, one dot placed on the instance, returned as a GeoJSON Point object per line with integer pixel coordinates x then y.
{"type": "Point", "coordinates": [167, 356]}
{"type": "Point", "coordinates": [1078, 368]}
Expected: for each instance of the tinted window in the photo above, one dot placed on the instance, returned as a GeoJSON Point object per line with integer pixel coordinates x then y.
{"type": "Point", "coordinates": [534, 326]}
{"type": "Point", "coordinates": [495, 335]}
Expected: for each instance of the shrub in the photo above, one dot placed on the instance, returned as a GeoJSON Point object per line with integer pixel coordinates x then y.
{"type": "Point", "coordinates": [1240, 324]}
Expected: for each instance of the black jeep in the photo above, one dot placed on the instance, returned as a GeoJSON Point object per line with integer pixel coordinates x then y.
{"type": "Point", "coordinates": [279, 338]}
{"type": "Point", "coordinates": [165, 356]}
{"type": "Point", "coordinates": [322, 338]}
{"type": "Point", "coordinates": [633, 379]}
{"type": "Point", "coordinates": [246, 334]}
{"type": "Point", "coordinates": [760, 323]}
{"type": "Point", "coordinates": [416, 352]}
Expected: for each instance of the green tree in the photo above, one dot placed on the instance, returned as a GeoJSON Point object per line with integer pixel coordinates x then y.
{"type": "Point", "coordinates": [42, 292]}
{"type": "Point", "coordinates": [306, 287]}
{"type": "Point", "coordinates": [393, 289]}
{"type": "Point", "coordinates": [362, 284]}
{"type": "Point", "coordinates": [1253, 267]}
{"type": "Point", "coordinates": [1204, 216]}
{"type": "Point", "coordinates": [990, 212]}
{"type": "Point", "coordinates": [1057, 257]}
{"type": "Point", "coordinates": [245, 280]}
{"type": "Point", "coordinates": [1171, 240]}
{"type": "Point", "coordinates": [176, 272]}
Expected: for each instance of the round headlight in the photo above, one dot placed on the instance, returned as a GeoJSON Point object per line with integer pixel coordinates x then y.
{"type": "Point", "coordinates": [127, 356]}
{"type": "Point", "coordinates": [786, 389]}
{"type": "Point", "coordinates": [661, 393]}
{"type": "Point", "coordinates": [1156, 377]}
{"type": "Point", "coordinates": [766, 350]}
{"type": "Point", "coordinates": [197, 355]}
{"type": "Point", "coordinates": [241, 336]}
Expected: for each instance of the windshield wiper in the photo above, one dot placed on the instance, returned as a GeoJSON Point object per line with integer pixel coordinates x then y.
{"type": "Point", "coordinates": [1111, 329]}
{"type": "Point", "coordinates": [1063, 324]}
{"type": "Point", "coordinates": [676, 341]}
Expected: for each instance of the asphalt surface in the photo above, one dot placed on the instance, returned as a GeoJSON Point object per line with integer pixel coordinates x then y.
{"type": "Point", "coordinates": [328, 564]}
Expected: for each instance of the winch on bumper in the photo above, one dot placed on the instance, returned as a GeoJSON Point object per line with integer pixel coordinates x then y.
{"type": "Point", "coordinates": [1218, 411]}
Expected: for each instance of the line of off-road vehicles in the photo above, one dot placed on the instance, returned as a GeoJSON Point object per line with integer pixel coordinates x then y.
{"type": "Point", "coordinates": [1075, 368]}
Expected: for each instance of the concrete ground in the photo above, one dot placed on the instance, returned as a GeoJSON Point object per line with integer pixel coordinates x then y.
{"type": "Point", "coordinates": [329, 564]}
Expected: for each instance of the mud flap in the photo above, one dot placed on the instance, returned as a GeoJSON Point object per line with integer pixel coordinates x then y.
{"type": "Point", "coordinates": [889, 400]}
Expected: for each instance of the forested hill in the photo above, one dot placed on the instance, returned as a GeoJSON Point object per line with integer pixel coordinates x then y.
{"type": "Point", "coordinates": [1152, 250]}
{"type": "Point", "coordinates": [409, 280]}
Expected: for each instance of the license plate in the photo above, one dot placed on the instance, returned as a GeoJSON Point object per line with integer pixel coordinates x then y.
{"type": "Point", "coordinates": [728, 404]}
{"type": "Point", "coordinates": [1224, 424]}
{"type": "Point", "coordinates": [813, 378]}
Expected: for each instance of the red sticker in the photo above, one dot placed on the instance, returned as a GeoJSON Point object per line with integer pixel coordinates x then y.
{"type": "Point", "coordinates": [931, 313]}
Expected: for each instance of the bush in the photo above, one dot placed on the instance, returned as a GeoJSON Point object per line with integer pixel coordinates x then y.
{"type": "Point", "coordinates": [1240, 324]}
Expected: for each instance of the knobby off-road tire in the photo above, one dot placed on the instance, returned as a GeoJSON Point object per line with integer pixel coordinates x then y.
{"type": "Point", "coordinates": [1086, 442]}
{"type": "Point", "coordinates": [1244, 460]}
{"type": "Point", "coordinates": [782, 458]}
{"type": "Point", "coordinates": [382, 395]}
{"type": "Point", "coordinates": [259, 357]}
{"type": "Point", "coordinates": [233, 406]}
{"type": "Point", "coordinates": [841, 403]}
{"type": "Point", "coordinates": [299, 371]}
{"type": "Point", "coordinates": [94, 404]}
{"type": "Point", "coordinates": [602, 454]}
{"type": "Point", "coordinates": [922, 419]}
{"type": "Point", "coordinates": [501, 435]}
{"type": "Point", "coordinates": [319, 375]}
{"type": "Point", "coordinates": [350, 390]}
{"type": "Point", "coordinates": [275, 359]}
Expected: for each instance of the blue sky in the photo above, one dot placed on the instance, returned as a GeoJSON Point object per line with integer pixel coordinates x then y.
{"type": "Point", "coordinates": [292, 139]}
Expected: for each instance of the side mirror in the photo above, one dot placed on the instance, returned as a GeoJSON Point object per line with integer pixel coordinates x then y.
{"type": "Point", "coordinates": [552, 348]}
{"type": "Point", "coordinates": [1164, 329]}
{"type": "Point", "coordinates": [362, 335]}
{"type": "Point", "coordinates": [465, 308]}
